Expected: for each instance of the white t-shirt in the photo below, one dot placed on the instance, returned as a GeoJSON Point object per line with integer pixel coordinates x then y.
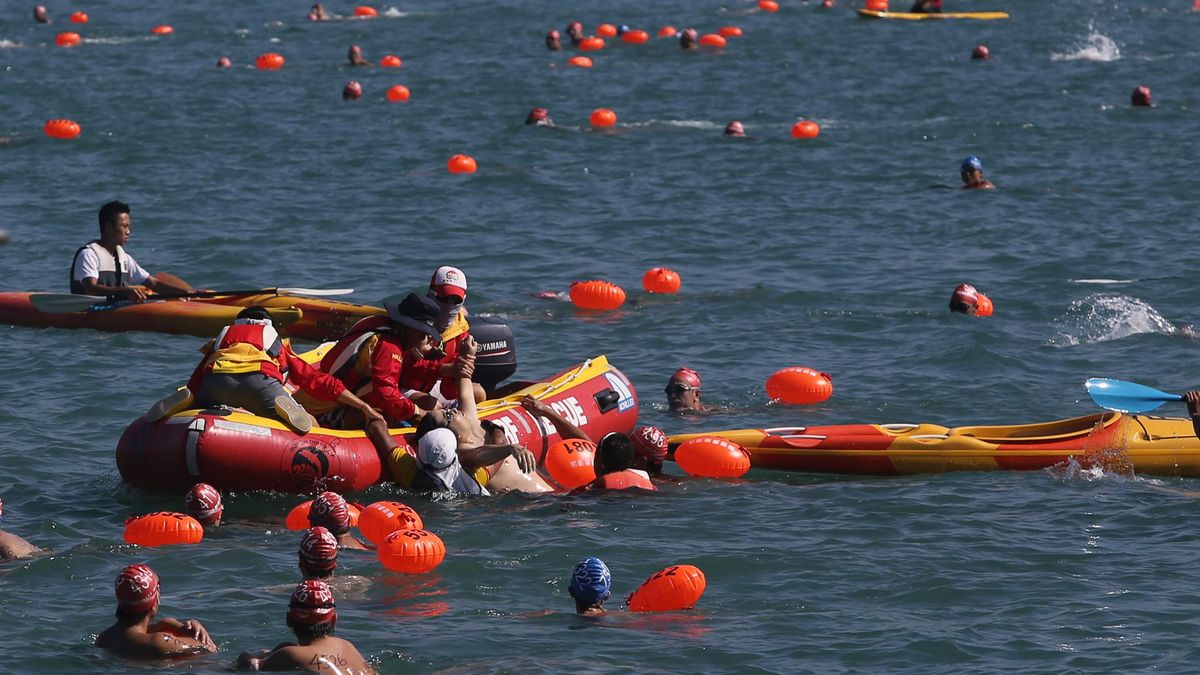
{"type": "Point", "coordinates": [87, 266]}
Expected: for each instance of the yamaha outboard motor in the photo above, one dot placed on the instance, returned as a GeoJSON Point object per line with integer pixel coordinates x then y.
{"type": "Point", "coordinates": [496, 359]}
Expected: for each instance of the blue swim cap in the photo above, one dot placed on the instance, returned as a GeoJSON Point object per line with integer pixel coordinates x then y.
{"type": "Point", "coordinates": [972, 163]}
{"type": "Point", "coordinates": [591, 581]}
{"type": "Point", "coordinates": [622, 29]}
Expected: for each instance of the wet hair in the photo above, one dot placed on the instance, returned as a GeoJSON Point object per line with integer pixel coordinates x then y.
{"type": "Point", "coordinates": [427, 424]}
{"type": "Point", "coordinates": [307, 633]}
{"type": "Point", "coordinates": [257, 313]}
{"type": "Point", "coordinates": [959, 306]}
{"type": "Point", "coordinates": [130, 618]}
{"type": "Point", "coordinates": [617, 451]}
{"type": "Point", "coordinates": [314, 573]}
{"type": "Point", "coordinates": [110, 211]}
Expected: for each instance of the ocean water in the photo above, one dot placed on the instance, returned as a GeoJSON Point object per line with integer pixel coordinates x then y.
{"type": "Point", "coordinates": [837, 253]}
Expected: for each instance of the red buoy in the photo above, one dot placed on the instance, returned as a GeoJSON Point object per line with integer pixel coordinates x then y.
{"type": "Point", "coordinates": [591, 44]}
{"type": "Point", "coordinates": [635, 37]}
{"type": "Point", "coordinates": [596, 294]}
{"type": "Point", "coordinates": [412, 551]}
{"type": "Point", "coordinates": [461, 164]}
{"type": "Point", "coordinates": [570, 462]}
{"type": "Point", "coordinates": [712, 457]}
{"type": "Point", "coordinates": [398, 93]}
{"type": "Point", "coordinates": [768, 5]}
{"type": "Point", "coordinates": [603, 117]}
{"type": "Point", "coordinates": [391, 61]}
{"type": "Point", "coordinates": [67, 39]}
{"type": "Point", "coordinates": [661, 280]}
{"type": "Point", "coordinates": [163, 529]}
{"type": "Point", "coordinates": [365, 12]}
{"type": "Point", "coordinates": [65, 129]}
{"type": "Point", "coordinates": [799, 385]}
{"type": "Point", "coordinates": [579, 62]}
{"type": "Point", "coordinates": [730, 31]}
{"type": "Point", "coordinates": [269, 61]}
{"type": "Point", "coordinates": [78, 17]}
{"type": "Point", "coordinates": [676, 587]}
{"type": "Point", "coordinates": [805, 129]}
{"type": "Point", "coordinates": [606, 30]}
{"type": "Point", "coordinates": [162, 30]}
{"type": "Point", "coordinates": [712, 40]}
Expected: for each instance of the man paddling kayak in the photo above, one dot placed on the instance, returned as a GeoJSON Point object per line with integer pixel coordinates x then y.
{"type": "Point", "coordinates": [102, 267]}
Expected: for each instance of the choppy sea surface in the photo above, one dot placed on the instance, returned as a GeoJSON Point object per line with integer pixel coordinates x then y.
{"type": "Point", "coordinates": [837, 253]}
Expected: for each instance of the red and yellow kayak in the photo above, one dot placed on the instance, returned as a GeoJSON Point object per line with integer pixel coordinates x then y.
{"type": "Point", "coordinates": [305, 318]}
{"type": "Point", "coordinates": [1114, 441]}
{"type": "Point", "coordinates": [931, 16]}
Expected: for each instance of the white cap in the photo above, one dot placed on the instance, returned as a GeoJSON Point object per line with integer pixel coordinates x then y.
{"type": "Point", "coordinates": [449, 280]}
{"type": "Point", "coordinates": [438, 453]}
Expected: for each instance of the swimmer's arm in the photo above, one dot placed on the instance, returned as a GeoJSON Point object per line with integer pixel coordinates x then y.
{"type": "Point", "coordinates": [466, 392]}
{"type": "Point", "coordinates": [188, 630]}
{"type": "Point", "coordinates": [279, 658]}
{"type": "Point", "coordinates": [561, 425]}
{"type": "Point", "coordinates": [485, 455]}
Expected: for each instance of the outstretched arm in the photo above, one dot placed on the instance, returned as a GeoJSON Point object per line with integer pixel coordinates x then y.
{"type": "Point", "coordinates": [564, 428]}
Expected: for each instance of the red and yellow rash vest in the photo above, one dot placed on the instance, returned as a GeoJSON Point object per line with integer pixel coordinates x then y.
{"type": "Point", "coordinates": [253, 346]}
{"type": "Point", "coordinates": [370, 361]}
{"type": "Point", "coordinates": [423, 374]}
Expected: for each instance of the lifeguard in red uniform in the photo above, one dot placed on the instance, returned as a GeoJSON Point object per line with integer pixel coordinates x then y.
{"type": "Point", "coordinates": [437, 375]}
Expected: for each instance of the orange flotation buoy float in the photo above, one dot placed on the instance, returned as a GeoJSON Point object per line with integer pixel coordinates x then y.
{"type": "Point", "coordinates": [78, 17]}
{"type": "Point", "coordinates": [712, 457]}
{"type": "Point", "coordinates": [163, 528]}
{"type": "Point", "coordinates": [877, 5]}
{"type": "Point", "coordinates": [382, 518]}
{"type": "Point", "coordinates": [674, 588]}
{"type": "Point", "coordinates": [799, 385]}
{"type": "Point", "coordinates": [412, 551]}
{"type": "Point", "coordinates": [391, 61]}
{"type": "Point", "coordinates": [162, 30]}
{"type": "Point", "coordinates": [591, 44]}
{"type": "Point", "coordinates": [667, 31]}
{"type": "Point", "coordinates": [606, 30]}
{"type": "Point", "coordinates": [398, 93]}
{"type": "Point", "coordinates": [297, 518]}
{"type": "Point", "coordinates": [712, 40]}
{"type": "Point", "coordinates": [461, 164]}
{"type": "Point", "coordinates": [269, 61]}
{"type": "Point", "coordinates": [596, 294]}
{"type": "Point", "coordinates": [64, 129]}
{"type": "Point", "coordinates": [570, 462]}
{"type": "Point", "coordinates": [68, 39]}
{"type": "Point", "coordinates": [635, 37]}
{"type": "Point", "coordinates": [603, 117]}
{"type": "Point", "coordinates": [579, 62]}
{"type": "Point", "coordinates": [661, 280]}
{"type": "Point", "coordinates": [984, 306]}
{"type": "Point", "coordinates": [805, 129]}
{"type": "Point", "coordinates": [730, 31]}
{"type": "Point", "coordinates": [768, 5]}
{"type": "Point", "coordinates": [365, 11]}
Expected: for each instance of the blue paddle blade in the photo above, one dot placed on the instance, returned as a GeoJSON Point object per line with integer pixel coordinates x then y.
{"type": "Point", "coordinates": [1127, 397]}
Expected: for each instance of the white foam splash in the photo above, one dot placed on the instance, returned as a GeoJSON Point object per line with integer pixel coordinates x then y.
{"type": "Point", "coordinates": [393, 12]}
{"type": "Point", "coordinates": [1099, 47]}
{"type": "Point", "coordinates": [683, 124]}
{"type": "Point", "coordinates": [1100, 318]}
{"type": "Point", "coordinates": [1101, 281]}
{"type": "Point", "coordinates": [8, 44]}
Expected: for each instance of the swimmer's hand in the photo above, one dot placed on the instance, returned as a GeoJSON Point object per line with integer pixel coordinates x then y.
{"type": "Point", "coordinates": [470, 346]}
{"type": "Point", "coordinates": [196, 631]}
{"type": "Point", "coordinates": [525, 459]}
{"type": "Point", "coordinates": [372, 415]}
{"type": "Point", "coordinates": [1192, 399]}
{"type": "Point", "coordinates": [535, 406]}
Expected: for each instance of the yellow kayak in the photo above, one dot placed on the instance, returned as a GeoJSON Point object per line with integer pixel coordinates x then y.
{"type": "Point", "coordinates": [913, 16]}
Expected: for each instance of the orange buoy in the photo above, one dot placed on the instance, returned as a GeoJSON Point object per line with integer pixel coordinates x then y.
{"type": "Point", "coordinates": [269, 61]}
{"type": "Point", "coordinates": [65, 129]}
{"type": "Point", "coordinates": [365, 11]}
{"type": "Point", "coordinates": [591, 44]}
{"type": "Point", "coordinates": [67, 39]}
{"type": "Point", "coordinates": [382, 518]}
{"type": "Point", "coordinates": [606, 30]}
{"type": "Point", "coordinates": [768, 5]}
{"type": "Point", "coordinates": [163, 529]}
{"type": "Point", "coordinates": [596, 294]}
{"type": "Point", "coordinates": [730, 31]}
{"type": "Point", "coordinates": [799, 385]}
{"type": "Point", "coordinates": [297, 518]}
{"type": "Point", "coordinates": [398, 93]}
{"type": "Point", "coordinates": [661, 280]}
{"type": "Point", "coordinates": [391, 61]}
{"type": "Point", "coordinates": [636, 37]}
{"type": "Point", "coordinates": [603, 117]}
{"type": "Point", "coordinates": [676, 587]}
{"type": "Point", "coordinates": [877, 5]}
{"type": "Point", "coordinates": [78, 17]}
{"type": "Point", "coordinates": [712, 40]}
{"type": "Point", "coordinates": [412, 551]}
{"type": "Point", "coordinates": [984, 306]}
{"type": "Point", "coordinates": [667, 31]}
{"type": "Point", "coordinates": [712, 457]}
{"type": "Point", "coordinates": [579, 62]}
{"type": "Point", "coordinates": [461, 164]}
{"type": "Point", "coordinates": [162, 30]}
{"type": "Point", "coordinates": [805, 129]}
{"type": "Point", "coordinates": [570, 462]}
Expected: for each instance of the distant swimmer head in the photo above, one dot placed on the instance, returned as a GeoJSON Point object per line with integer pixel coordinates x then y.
{"type": "Point", "coordinates": [39, 14]}
{"type": "Point", "coordinates": [224, 62]}
{"type": "Point", "coordinates": [826, 4]}
{"type": "Point", "coordinates": [735, 128]}
{"type": "Point", "coordinates": [964, 300]}
{"type": "Point", "coordinates": [971, 163]}
{"type": "Point", "coordinates": [355, 56]}
{"type": "Point", "coordinates": [352, 91]}
{"type": "Point", "coordinates": [553, 41]}
{"type": "Point", "coordinates": [318, 552]}
{"type": "Point", "coordinates": [575, 31]}
{"type": "Point", "coordinates": [687, 39]}
{"type": "Point", "coordinates": [203, 503]}
{"type": "Point", "coordinates": [591, 584]}
{"type": "Point", "coordinates": [1141, 97]}
{"type": "Point", "coordinates": [137, 589]}
{"type": "Point", "coordinates": [539, 117]}
{"type": "Point", "coordinates": [622, 29]}
{"type": "Point", "coordinates": [981, 53]}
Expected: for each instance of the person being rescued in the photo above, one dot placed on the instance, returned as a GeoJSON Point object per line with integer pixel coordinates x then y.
{"type": "Point", "coordinates": [246, 366]}
{"type": "Point", "coordinates": [615, 454]}
{"type": "Point", "coordinates": [455, 452]}
{"type": "Point", "coordinates": [438, 374]}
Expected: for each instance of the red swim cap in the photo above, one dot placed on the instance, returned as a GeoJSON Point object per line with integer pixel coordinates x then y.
{"type": "Point", "coordinates": [312, 604]}
{"type": "Point", "coordinates": [330, 511]}
{"type": "Point", "coordinates": [966, 294]}
{"type": "Point", "coordinates": [318, 549]}
{"type": "Point", "coordinates": [650, 443]}
{"type": "Point", "coordinates": [203, 503]}
{"type": "Point", "coordinates": [352, 90]}
{"type": "Point", "coordinates": [687, 376]}
{"type": "Point", "coordinates": [137, 589]}
{"type": "Point", "coordinates": [981, 52]}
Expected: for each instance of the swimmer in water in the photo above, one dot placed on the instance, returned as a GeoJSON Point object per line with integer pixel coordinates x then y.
{"type": "Point", "coordinates": [591, 585]}
{"type": "Point", "coordinates": [355, 56]}
{"type": "Point", "coordinates": [13, 546]}
{"type": "Point", "coordinates": [317, 13]}
{"type": "Point", "coordinates": [318, 554]}
{"type": "Point", "coordinates": [312, 616]}
{"type": "Point", "coordinates": [330, 511]}
{"type": "Point", "coordinates": [554, 41]}
{"type": "Point", "coordinates": [352, 91]}
{"type": "Point", "coordinates": [203, 503]}
{"type": "Point", "coordinates": [575, 32]}
{"type": "Point", "coordinates": [39, 14]}
{"type": "Point", "coordinates": [926, 7]}
{"type": "Point", "coordinates": [539, 117]}
{"type": "Point", "coordinates": [735, 129]}
{"type": "Point", "coordinates": [980, 53]}
{"type": "Point", "coordinates": [687, 39]}
{"type": "Point", "coordinates": [224, 62]}
{"type": "Point", "coordinates": [615, 455]}
{"type": "Point", "coordinates": [650, 444]}
{"type": "Point", "coordinates": [137, 635]}
{"type": "Point", "coordinates": [972, 175]}
{"type": "Point", "coordinates": [826, 4]}
{"type": "Point", "coordinates": [683, 392]}
{"type": "Point", "coordinates": [965, 300]}
{"type": "Point", "coordinates": [1140, 98]}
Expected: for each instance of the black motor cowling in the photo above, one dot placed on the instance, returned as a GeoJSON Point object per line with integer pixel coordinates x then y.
{"type": "Point", "coordinates": [496, 359]}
